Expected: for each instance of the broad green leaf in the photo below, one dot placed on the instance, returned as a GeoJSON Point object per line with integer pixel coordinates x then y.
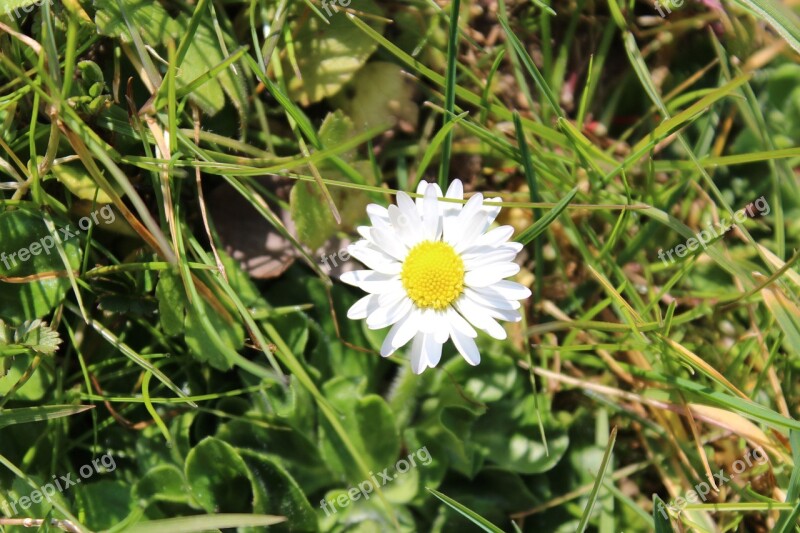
{"type": "Point", "coordinates": [171, 302]}
{"type": "Point", "coordinates": [80, 183]}
{"type": "Point", "coordinates": [27, 250]}
{"type": "Point", "coordinates": [19, 8]}
{"type": "Point", "coordinates": [34, 389]}
{"type": "Point", "coordinates": [104, 503]}
{"type": "Point", "coordinates": [370, 423]}
{"type": "Point", "coordinates": [313, 219]}
{"type": "Point", "coordinates": [218, 477]}
{"type": "Point", "coordinates": [329, 54]}
{"type": "Point", "coordinates": [336, 129]}
{"type": "Point", "coordinates": [381, 94]}
{"type": "Point", "coordinates": [164, 483]}
{"type": "Point", "coordinates": [511, 438]}
{"type": "Point", "coordinates": [207, 349]}
{"type": "Point", "coordinates": [276, 492]}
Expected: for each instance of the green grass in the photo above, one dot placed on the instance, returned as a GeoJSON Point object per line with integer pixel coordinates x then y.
{"type": "Point", "coordinates": [199, 340]}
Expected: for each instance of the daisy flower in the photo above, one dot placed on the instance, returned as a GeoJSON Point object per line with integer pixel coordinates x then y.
{"type": "Point", "coordinates": [436, 273]}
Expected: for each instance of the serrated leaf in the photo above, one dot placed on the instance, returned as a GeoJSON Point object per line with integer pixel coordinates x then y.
{"type": "Point", "coordinates": [38, 336]}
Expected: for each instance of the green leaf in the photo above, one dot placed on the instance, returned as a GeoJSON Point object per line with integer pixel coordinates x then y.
{"type": "Point", "coordinates": [22, 234]}
{"type": "Point", "coordinates": [171, 302]}
{"type": "Point", "coordinates": [369, 422]}
{"type": "Point", "coordinates": [313, 219]}
{"type": "Point", "coordinates": [38, 336]}
{"type": "Point", "coordinates": [208, 345]}
{"type": "Point", "coordinates": [381, 94]}
{"type": "Point", "coordinates": [329, 54]}
{"type": "Point", "coordinates": [164, 483]}
{"type": "Point", "coordinates": [218, 477]}
{"type": "Point", "coordinates": [80, 183]}
{"type": "Point", "coordinates": [276, 492]}
{"type": "Point", "coordinates": [511, 438]}
{"type": "Point", "coordinates": [34, 388]}
{"type": "Point", "coordinates": [103, 504]}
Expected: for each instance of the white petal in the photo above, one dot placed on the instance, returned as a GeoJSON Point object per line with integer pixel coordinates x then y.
{"type": "Point", "coordinates": [440, 327]}
{"type": "Point", "coordinates": [378, 215]}
{"type": "Point", "coordinates": [410, 215]}
{"type": "Point", "coordinates": [374, 259]}
{"type": "Point", "coordinates": [455, 190]}
{"type": "Point", "coordinates": [485, 276]}
{"type": "Point", "coordinates": [407, 229]}
{"type": "Point", "coordinates": [418, 364]}
{"type": "Point", "coordinates": [491, 210]}
{"type": "Point", "coordinates": [371, 281]}
{"type": "Point", "coordinates": [402, 332]}
{"type": "Point", "coordinates": [495, 237]}
{"type": "Point", "coordinates": [363, 307]}
{"type": "Point", "coordinates": [451, 210]}
{"type": "Point", "coordinates": [511, 290]}
{"type": "Point", "coordinates": [432, 350]}
{"type": "Point", "coordinates": [466, 347]}
{"type": "Point", "coordinates": [488, 298]}
{"type": "Point", "coordinates": [470, 209]}
{"type": "Point", "coordinates": [422, 187]}
{"type": "Point", "coordinates": [459, 323]}
{"type": "Point", "coordinates": [478, 317]}
{"type": "Point", "coordinates": [484, 256]}
{"type": "Point", "coordinates": [386, 316]}
{"type": "Point", "coordinates": [389, 243]}
{"type": "Point", "coordinates": [431, 219]}
{"type": "Point", "coordinates": [471, 230]}
{"type": "Point", "coordinates": [388, 299]}
{"type": "Point", "coordinates": [365, 232]}
{"type": "Point", "coordinates": [509, 315]}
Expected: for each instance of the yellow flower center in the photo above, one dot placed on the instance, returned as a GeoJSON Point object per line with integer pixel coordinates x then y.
{"type": "Point", "coordinates": [433, 275]}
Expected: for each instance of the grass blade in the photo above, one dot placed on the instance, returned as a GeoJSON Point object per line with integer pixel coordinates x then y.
{"type": "Point", "coordinates": [597, 482]}
{"type": "Point", "coordinates": [467, 513]}
{"type": "Point", "coordinates": [540, 225]}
